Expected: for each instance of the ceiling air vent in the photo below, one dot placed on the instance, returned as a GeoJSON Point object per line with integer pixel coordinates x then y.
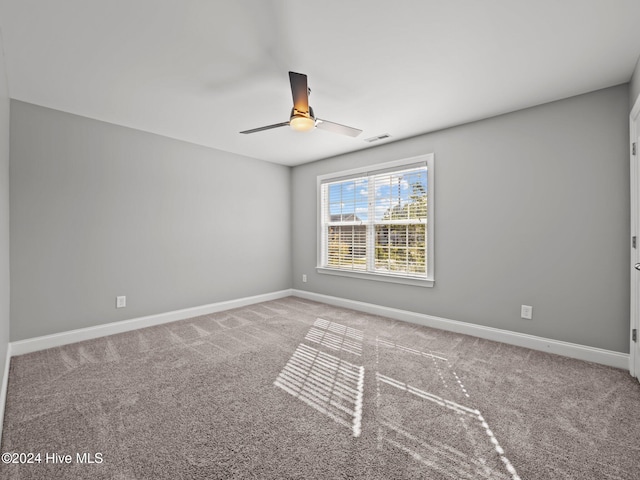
{"type": "Point", "coordinates": [377, 137]}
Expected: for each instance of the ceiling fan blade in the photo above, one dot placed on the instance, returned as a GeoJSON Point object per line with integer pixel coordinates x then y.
{"type": "Point", "coordinates": [300, 91]}
{"type": "Point", "coordinates": [268, 127]}
{"type": "Point", "coordinates": [337, 128]}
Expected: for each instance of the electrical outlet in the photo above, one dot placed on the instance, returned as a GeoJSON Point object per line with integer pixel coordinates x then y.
{"type": "Point", "coordinates": [526, 311]}
{"type": "Point", "coordinates": [304, 277]}
{"type": "Point", "coordinates": [121, 301]}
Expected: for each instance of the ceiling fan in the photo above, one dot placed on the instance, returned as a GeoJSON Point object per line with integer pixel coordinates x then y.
{"type": "Point", "coordinates": [302, 118]}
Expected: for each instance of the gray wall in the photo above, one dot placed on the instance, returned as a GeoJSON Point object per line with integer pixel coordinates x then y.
{"type": "Point", "coordinates": [4, 213]}
{"type": "Point", "coordinates": [532, 208]}
{"type": "Point", "coordinates": [99, 210]}
{"type": "Point", "coordinates": [634, 85]}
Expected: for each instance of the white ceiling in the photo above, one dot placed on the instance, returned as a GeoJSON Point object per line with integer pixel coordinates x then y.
{"type": "Point", "coordinates": [201, 71]}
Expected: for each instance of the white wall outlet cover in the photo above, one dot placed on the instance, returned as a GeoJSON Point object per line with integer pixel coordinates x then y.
{"type": "Point", "coordinates": [121, 302]}
{"type": "Point", "coordinates": [526, 311]}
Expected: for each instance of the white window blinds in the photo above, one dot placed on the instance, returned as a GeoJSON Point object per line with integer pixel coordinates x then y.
{"type": "Point", "coordinates": [377, 221]}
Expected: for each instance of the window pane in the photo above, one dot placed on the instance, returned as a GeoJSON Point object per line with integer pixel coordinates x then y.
{"type": "Point", "coordinates": [362, 199]}
{"type": "Point", "coordinates": [400, 249]}
{"type": "Point", "coordinates": [401, 195]}
{"type": "Point", "coordinates": [347, 247]}
{"type": "Point", "coordinates": [348, 200]}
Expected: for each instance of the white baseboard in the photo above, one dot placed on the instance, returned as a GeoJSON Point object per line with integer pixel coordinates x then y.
{"type": "Point", "coordinates": [581, 352]}
{"type": "Point", "coordinates": [573, 350]}
{"type": "Point", "coordinates": [4, 387]}
{"type": "Point", "coordinates": [21, 347]}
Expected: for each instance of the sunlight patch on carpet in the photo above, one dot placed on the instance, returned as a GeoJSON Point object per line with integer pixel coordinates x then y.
{"type": "Point", "coordinates": [457, 428]}
{"type": "Point", "coordinates": [326, 383]}
{"type": "Point", "coordinates": [335, 336]}
{"type": "Point", "coordinates": [459, 444]}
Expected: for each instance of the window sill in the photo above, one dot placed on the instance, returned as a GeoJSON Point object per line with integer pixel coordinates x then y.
{"type": "Point", "coordinates": [379, 277]}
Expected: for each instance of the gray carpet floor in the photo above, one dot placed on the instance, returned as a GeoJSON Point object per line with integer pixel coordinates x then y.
{"type": "Point", "coordinates": [293, 389]}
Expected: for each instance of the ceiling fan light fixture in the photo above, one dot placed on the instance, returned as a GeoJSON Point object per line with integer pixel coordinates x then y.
{"type": "Point", "coordinates": [302, 118]}
{"type": "Point", "coordinates": [302, 123]}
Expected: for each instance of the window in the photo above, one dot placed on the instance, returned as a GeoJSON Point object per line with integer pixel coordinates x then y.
{"type": "Point", "coordinates": [377, 223]}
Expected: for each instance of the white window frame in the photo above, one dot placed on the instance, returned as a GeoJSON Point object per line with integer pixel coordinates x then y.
{"type": "Point", "coordinates": [429, 280]}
